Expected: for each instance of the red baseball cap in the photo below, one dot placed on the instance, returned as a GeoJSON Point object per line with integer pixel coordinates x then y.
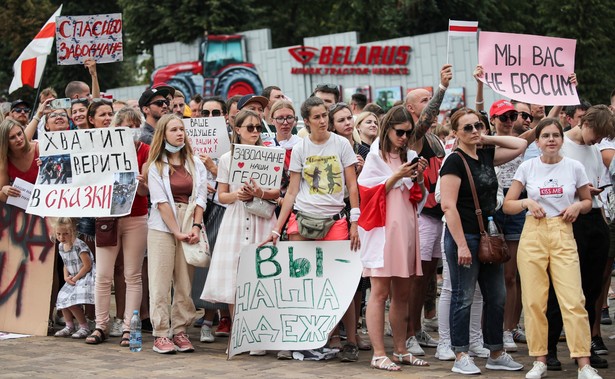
{"type": "Point", "coordinates": [500, 107]}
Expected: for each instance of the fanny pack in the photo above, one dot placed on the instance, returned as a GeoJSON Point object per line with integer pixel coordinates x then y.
{"type": "Point", "coordinates": [315, 227]}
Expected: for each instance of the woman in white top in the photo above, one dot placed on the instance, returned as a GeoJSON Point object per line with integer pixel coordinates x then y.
{"type": "Point", "coordinates": [175, 178]}
{"type": "Point", "coordinates": [558, 191]}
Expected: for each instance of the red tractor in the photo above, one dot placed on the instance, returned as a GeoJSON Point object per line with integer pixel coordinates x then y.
{"type": "Point", "coordinates": [221, 70]}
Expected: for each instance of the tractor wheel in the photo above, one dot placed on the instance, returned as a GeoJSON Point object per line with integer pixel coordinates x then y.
{"type": "Point", "coordinates": [238, 82]}
{"type": "Point", "coordinates": [184, 87]}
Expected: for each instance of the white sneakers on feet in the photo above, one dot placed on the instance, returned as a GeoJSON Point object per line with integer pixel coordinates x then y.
{"type": "Point", "coordinates": [465, 365]}
{"type": "Point", "coordinates": [206, 334]}
{"type": "Point", "coordinates": [426, 340]}
{"type": "Point", "coordinates": [413, 346]}
{"type": "Point", "coordinates": [503, 362]}
{"type": "Point", "coordinates": [588, 372]}
{"type": "Point", "coordinates": [258, 353]}
{"type": "Point", "coordinates": [509, 341]}
{"type": "Point", "coordinates": [477, 350]}
{"type": "Point", "coordinates": [444, 352]}
{"type": "Point", "coordinates": [116, 327]}
{"type": "Point", "coordinates": [538, 371]}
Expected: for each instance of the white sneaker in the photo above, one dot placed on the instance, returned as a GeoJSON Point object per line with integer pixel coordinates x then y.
{"type": "Point", "coordinates": [477, 350]}
{"type": "Point", "coordinates": [206, 335]}
{"type": "Point", "coordinates": [503, 362]}
{"type": "Point", "coordinates": [413, 346]}
{"type": "Point", "coordinates": [430, 324]}
{"type": "Point", "coordinates": [116, 327]}
{"type": "Point", "coordinates": [444, 352]}
{"type": "Point", "coordinates": [258, 353]}
{"type": "Point", "coordinates": [509, 342]}
{"type": "Point", "coordinates": [425, 339]}
{"type": "Point", "coordinates": [538, 371]}
{"type": "Point", "coordinates": [465, 365]}
{"type": "Point", "coordinates": [588, 372]}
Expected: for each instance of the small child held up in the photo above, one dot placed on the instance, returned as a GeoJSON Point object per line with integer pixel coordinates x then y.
{"type": "Point", "coordinates": [79, 271]}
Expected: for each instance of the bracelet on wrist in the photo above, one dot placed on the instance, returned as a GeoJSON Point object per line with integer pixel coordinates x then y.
{"type": "Point", "coordinates": [479, 102]}
{"type": "Point", "coordinates": [442, 87]}
{"type": "Point", "coordinates": [276, 233]}
{"type": "Point", "coordinates": [36, 118]}
{"type": "Point", "coordinates": [197, 225]}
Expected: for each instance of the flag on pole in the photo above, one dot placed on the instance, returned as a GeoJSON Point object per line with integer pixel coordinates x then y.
{"type": "Point", "coordinates": [29, 66]}
{"type": "Point", "coordinates": [462, 28]}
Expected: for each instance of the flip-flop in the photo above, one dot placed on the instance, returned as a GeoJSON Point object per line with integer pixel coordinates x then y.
{"type": "Point", "coordinates": [95, 339]}
{"type": "Point", "coordinates": [125, 342]}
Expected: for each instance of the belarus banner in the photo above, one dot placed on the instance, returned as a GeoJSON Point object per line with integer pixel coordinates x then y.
{"type": "Point", "coordinates": [81, 37]}
{"type": "Point", "coordinates": [529, 68]}
{"type": "Point", "coordinates": [291, 296]}
{"type": "Point", "coordinates": [85, 173]}
{"type": "Point", "coordinates": [208, 135]}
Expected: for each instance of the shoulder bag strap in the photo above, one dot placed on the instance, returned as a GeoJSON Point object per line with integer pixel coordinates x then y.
{"type": "Point", "coordinates": [479, 212]}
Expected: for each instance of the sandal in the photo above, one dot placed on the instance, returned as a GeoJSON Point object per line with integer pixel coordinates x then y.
{"type": "Point", "coordinates": [95, 339]}
{"type": "Point", "coordinates": [412, 360]}
{"type": "Point", "coordinates": [335, 344]}
{"type": "Point", "coordinates": [125, 342]}
{"type": "Point", "coordinates": [384, 363]}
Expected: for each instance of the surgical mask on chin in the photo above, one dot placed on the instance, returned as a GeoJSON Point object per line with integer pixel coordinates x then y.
{"type": "Point", "coordinates": [172, 149]}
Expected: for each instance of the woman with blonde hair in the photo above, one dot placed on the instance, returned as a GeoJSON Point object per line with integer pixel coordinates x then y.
{"type": "Point", "coordinates": [18, 159]}
{"type": "Point", "coordinates": [368, 125]}
{"type": "Point", "coordinates": [175, 177]}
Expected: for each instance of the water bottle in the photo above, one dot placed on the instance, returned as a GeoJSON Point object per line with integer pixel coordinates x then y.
{"type": "Point", "coordinates": [492, 229]}
{"type": "Point", "coordinates": [136, 342]}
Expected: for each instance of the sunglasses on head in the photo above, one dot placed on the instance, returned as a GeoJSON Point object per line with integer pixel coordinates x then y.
{"type": "Point", "coordinates": [468, 128]}
{"type": "Point", "coordinates": [214, 113]}
{"type": "Point", "coordinates": [160, 103]}
{"type": "Point", "coordinates": [331, 87]}
{"type": "Point", "coordinates": [401, 132]}
{"type": "Point", "coordinates": [336, 106]}
{"type": "Point", "coordinates": [21, 110]}
{"type": "Point", "coordinates": [525, 116]}
{"type": "Point", "coordinates": [251, 128]}
{"type": "Point", "coordinates": [508, 116]}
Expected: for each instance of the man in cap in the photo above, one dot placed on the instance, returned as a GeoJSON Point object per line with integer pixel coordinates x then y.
{"type": "Point", "coordinates": [154, 103]}
{"type": "Point", "coordinates": [20, 111]}
{"type": "Point", "coordinates": [258, 104]}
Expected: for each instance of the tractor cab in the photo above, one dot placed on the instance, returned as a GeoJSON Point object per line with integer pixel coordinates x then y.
{"type": "Point", "coordinates": [218, 52]}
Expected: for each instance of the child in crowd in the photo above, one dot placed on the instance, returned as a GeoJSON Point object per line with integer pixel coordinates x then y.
{"type": "Point", "coordinates": [79, 276]}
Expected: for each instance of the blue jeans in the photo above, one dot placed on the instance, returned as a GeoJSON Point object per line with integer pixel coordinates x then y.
{"type": "Point", "coordinates": [490, 278]}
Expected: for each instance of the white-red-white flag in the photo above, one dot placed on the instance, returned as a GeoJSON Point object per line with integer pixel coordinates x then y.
{"type": "Point", "coordinates": [462, 28]}
{"type": "Point", "coordinates": [29, 66]}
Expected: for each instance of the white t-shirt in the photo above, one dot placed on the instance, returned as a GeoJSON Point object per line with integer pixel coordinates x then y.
{"type": "Point", "coordinates": [553, 186]}
{"type": "Point", "coordinates": [321, 190]}
{"type": "Point", "coordinates": [591, 159]}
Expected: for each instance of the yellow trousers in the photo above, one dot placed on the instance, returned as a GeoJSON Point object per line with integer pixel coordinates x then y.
{"type": "Point", "coordinates": [547, 248]}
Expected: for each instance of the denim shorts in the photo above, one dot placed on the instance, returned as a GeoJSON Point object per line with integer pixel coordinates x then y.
{"type": "Point", "coordinates": [512, 225]}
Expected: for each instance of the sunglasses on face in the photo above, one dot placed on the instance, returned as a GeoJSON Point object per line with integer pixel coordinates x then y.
{"type": "Point", "coordinates": [401, 132]}
{"type": "Point", "coordinates": [468, 128]}
{"type": "Point", "coordinates": [525, 116]}
{"type": "Point", "coordinates": [214, 113]}
{"type": "Point", "coordinates": [288, 119]}
{"type": "Point", "coordinates": [509, 116]}
{"type": "Point", "coordinates": [21, 110]}
{"type": "Point", "coordinates": [160, 103]}
{"type": "Point", "coordinates": [251, 128]}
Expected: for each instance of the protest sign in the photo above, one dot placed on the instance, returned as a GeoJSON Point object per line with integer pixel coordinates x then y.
{"type": "Point", "coordinates": [208, 135]}
{"type": "Point", "coordinates": [26, 191]}
{"type": "Point", "coordinates": [81, 37]}
{"type": "Point", "coordinates": [528, 68]}
{"type": "Point", "coordinates": [85, 173]}
{"type": "Point", "coordinates": [263, 164]}
{"type": "Point", "coordinates": [290, 296]}
{"type": "Point", "coordinates": [27, 256]}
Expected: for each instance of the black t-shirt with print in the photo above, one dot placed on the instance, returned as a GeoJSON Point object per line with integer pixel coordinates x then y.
{"type": "Point", "coordinates": [485, 181]}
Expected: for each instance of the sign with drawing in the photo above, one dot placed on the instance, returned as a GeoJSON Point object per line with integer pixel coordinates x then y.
{"type": "Point", "coordinates": [208, 135]}
{"type": "Point", "coordinates": [85, 173]}
{"type": "Point", "coordinates": [97, 36]}
{"type": "Point", "coordinates": [263, 164]}
{"type": "Point", "coordinates": [290, 296]}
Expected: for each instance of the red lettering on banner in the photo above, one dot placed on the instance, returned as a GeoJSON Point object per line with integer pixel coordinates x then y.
{"type": "Point", "coordinates": [325, 55]}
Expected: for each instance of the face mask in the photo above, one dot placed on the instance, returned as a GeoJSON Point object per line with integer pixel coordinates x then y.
{"type": "Point", "coordinates": [172, 149]}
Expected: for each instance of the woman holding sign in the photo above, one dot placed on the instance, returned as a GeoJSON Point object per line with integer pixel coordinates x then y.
{"type": "Point", "coordinates": [392, 175]}
{"type": "Point", "coordinates": [239, 227]}
{"type": "Point", "coordinates": [19, 159]}
{"type": "Point", "coordinates": [322, 166]}
{"type": "Point", "coordinates": [175, 178]}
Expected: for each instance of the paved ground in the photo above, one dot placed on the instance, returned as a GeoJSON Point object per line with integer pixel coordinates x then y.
{"type": "Point", "coordinates": [49, 357]}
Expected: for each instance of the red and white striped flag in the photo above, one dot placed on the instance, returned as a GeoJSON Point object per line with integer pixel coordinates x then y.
{"type": "Point", "coordinates": [29, 66]}
{"type": "Point", "coordinates": [462, 28]}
